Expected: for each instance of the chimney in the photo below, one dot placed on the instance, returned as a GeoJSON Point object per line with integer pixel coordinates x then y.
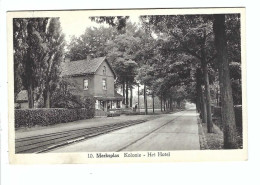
{"type": "Point", "coordinates": [90, 57]}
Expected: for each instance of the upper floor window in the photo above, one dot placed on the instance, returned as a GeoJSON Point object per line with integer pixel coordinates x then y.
{"type": "Point", "coordinates": [104, 84]}
{"type": "Point", "coordinates": [85, 84]}
{"type": "Point", "coordinates": [104, 70]}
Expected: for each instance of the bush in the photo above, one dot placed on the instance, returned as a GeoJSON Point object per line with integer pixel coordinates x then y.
{"type": "Point", "coordinates": [89, 102]}
{"type": "Point", "coordinates": [43, 117]}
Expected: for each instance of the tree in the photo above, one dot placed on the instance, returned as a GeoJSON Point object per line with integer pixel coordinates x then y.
{"type": "Point", "coordinates": [62, 97]}
{"type": "Point", "coordinates": [20, 47]}
{"type": "Point", "coordinates": [54, 55]}
{"type": "Point", "coordinates": [29, 50]}
{"type": "Point", "coordinates": [233, 37]}
{"type": "Point", "coordinates": [92, 42]}
{"type": "Point", "coordinates": [227, 109]}
{"type": "Point", "coordinates": [187, 35]}
{"type": "Point", "coordinates": [122, 52]}
{"type": "Point", "coordinates": [201, 104]}
{"type": "Point", "coordinates": [116, 21]}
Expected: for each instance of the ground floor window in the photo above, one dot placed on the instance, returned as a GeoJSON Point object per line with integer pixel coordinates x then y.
{"type": "Point", "coordinates": [109, 104]}
{"type": "Point", "coordinates": [113, 105]}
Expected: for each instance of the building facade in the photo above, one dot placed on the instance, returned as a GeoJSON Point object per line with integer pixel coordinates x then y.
{"type": "Point", "coordinates": [93, 78]}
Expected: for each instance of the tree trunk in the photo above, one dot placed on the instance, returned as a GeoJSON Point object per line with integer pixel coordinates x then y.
{"type": "Point", "coordinates": [198, 92]}
{"type": "Point", "coordinates": [227, 108]}
{"type": "Point", "coordinates": [126, 94]}
{"type": "Point", "coordinates": [138, 94]}
{"type": "Point", "coordinates": [198, 105]}
{"type": "Point", "coordinates": [204, 107]}
{"type": "Point", "coordinates": [178, 104]}
{"type": "Point", "coordinates": [199, 100]}
{"type": "Point", "coordinates": [30, 96]}
{"type": "Point", "coordinates": [145, 101]}
{"type": "Point", "coordinates": [46, 97]}
{"type": "Point", "coordinates": [207, 94]}
{"type": "Point", "coordinates": [146, 105]}
{"type": "Point", "coordinates": [171, 104]}
{"type": "Point", "coordinates": [161, 103]}
{"type": "Point", "coordinates": [131, 96]}
{"type": "Point", "coordinates": [153, 103]}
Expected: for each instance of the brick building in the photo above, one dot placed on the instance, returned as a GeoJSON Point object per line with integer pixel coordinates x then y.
{"type": "Point", "coordinates": [93, 78]}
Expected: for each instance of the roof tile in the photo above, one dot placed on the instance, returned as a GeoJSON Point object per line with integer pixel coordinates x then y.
{"type": "Point", "coordinates": [81, 67]}
{"type": "Point", "coordinates": [22, 96]}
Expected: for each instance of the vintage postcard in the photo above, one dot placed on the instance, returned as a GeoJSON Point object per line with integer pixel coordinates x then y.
{"type": "Point", "coordinates": [137, 85]}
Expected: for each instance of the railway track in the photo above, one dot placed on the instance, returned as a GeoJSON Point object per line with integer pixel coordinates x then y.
{"type": "Point", "coordinates": [46, 142]}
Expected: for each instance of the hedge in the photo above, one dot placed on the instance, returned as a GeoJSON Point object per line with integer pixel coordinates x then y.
{"type": "Point", "coordinates": [43, 117]}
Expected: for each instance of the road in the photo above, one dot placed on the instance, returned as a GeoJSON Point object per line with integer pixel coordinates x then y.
{"type": "Point", "coordinates": [178, 131]}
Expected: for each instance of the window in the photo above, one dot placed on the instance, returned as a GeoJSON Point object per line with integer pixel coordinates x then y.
{"type": "Point", "coordinates": [85, 84]}
{"type": "Point", "coordinates": [104, 84]}
{"type": "Point", "coordinates": [104, 70]}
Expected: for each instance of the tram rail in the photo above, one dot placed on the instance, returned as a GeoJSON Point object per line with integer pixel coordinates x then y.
{"type": "Point", "coordinates": [46, 142]}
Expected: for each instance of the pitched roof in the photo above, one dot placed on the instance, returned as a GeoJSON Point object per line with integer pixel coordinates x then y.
{"type": "Point", "coordinates": [82, 67]}
{"type": "Point", "coordinates": [22, 96]}
{"type": "Point", "coordinates": [117, 95]}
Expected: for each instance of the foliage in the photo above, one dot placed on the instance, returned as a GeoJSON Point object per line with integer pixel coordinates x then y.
{"type": "Point", "coordinates": [92, 42]}
{"type": "Point", "coordinates": [116, 21]}
{"type": "Point", "coordinates": [55, 49]}
{"type": "Point", "coordinates": [176, 52]}
{"type": "Point", "coordinates": [89, 102]}
{"type": "Point", "coordinates": [29, 51]}
{"type": "Point", "coordinates": [38, 51]}
{"type": "Point", "coordinates": [233, 30]}
{"type": "Point", "coordinates": [121, 56]}
{"type": "Point", "coordinates": [63, 96]}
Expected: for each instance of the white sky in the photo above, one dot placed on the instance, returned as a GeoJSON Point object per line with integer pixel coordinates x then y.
{"type": "Point", "coordinates": [77, 24]}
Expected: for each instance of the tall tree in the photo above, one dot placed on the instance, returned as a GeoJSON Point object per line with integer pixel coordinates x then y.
{"type": "Point", "coordinates": [227, 109]}
{"type": "Point", "coordinates": [121, 52]}
{"type": "Point", "coordinates": [29, 52]}
{"type": "Point", "coordinates": [54, 55]}
{"type": "Point", "coordinates": [190, 35]}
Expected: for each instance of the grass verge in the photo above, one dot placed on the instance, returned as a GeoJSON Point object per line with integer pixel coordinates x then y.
{"type": "Point", "coordinates": [215, 140]}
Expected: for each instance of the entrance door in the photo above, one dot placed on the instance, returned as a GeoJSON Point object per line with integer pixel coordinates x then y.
{"type": "Point", "coordinates": [109, 105]}
{"type": "Point", "coordinates": [102, 105]}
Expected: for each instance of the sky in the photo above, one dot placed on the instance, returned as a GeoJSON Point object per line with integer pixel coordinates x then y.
{"type": "Point", "coordinates": [75, 25]}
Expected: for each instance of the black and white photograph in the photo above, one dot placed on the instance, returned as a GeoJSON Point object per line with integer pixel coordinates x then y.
{"type": "Point", "coordinates": [133, 85]}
